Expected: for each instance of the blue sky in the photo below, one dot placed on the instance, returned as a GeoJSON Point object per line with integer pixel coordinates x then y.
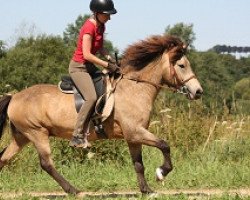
{"type": "Point", "coordinates": [215, 21]}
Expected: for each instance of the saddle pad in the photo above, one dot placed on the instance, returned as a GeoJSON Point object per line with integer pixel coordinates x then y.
{"type": "Point", "coordinates": [64, 87]}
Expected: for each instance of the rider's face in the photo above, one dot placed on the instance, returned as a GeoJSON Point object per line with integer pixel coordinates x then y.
{"type": "Point", "coordinates": [103, 17]}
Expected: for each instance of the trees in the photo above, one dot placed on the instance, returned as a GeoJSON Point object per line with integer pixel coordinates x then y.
{"type": "Point", "coordinates": [40, 59]}
{"type": "Point", "coordinates": [218, 74]}
{"type": "Point", "coordinates": [43, 59]}
{"type": "Point", "coordinates": [71, 32]}
{"type": "Point", "coordinates": [34, 60]}
{"type": "Point", "coordinates": [2, 49]}
{"type": "Point", "coordinates": [184, 31]}
{"type": "Point", "coordinates": [241, 89]}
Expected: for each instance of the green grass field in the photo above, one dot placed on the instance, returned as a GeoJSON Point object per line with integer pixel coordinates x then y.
{"type": "Point", "coordinates": [222, 165]}
{"type": "Point", "coordinates": [206, 152]}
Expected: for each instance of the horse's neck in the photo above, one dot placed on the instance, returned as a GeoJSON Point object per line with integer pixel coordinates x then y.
{"type": "Point", "coordinates": [151, 74]}
{"type": "Point", "coordinates": [148, 79]}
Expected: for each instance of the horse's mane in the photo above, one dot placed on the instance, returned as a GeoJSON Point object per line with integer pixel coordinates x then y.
{"type": "Point", "coordinates": [145, 51]}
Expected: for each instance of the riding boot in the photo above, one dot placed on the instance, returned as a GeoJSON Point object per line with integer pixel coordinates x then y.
{"type": "Point", "coordinates": [80, 134]}
{"type": "Point", "coordinates": [80, 141]}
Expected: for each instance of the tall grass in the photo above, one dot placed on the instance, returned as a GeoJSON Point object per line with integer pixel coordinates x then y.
{"type": "Point", "coordinates": [208, 151]}
{"type": "Point", "coordinates": [223, 164]}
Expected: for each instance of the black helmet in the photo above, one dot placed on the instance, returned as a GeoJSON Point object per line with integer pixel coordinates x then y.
{"type": "Point", "coordinates": [102, 6]}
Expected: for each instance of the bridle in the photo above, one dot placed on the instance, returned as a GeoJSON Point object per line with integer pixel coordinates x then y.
{"type": "Point", "coordinates": [178, 85]}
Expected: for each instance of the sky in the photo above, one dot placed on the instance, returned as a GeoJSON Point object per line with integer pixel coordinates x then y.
{"type": "Point", "coordinates": [214, 21]}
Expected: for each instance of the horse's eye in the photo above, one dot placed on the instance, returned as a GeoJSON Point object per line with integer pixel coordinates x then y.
{"type": "Point", "coordinates": [181, 66]}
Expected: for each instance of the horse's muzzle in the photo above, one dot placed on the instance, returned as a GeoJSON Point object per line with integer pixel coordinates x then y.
{"type": "Point", "coordinates": [198, 94]}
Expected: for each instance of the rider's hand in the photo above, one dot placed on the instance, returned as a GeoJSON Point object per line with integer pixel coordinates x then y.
{"type": "Point", "coordinates": [114, 61]}
{"type": "Point", "coordinates": [112, 67]}
{"type": "Point", "coordinates": [111, 59]}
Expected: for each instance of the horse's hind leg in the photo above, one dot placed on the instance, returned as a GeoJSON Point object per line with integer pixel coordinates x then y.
{"type": "Point", "coordinates": [44, 151]}
{"type": "Point", "coordinates": [17, 143]}
{"type": "Point", "coordinates": [136, 155]}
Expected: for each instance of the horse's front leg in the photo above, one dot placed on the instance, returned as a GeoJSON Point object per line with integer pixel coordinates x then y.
{"type": "Point", "coordinates": [136, 155]}
{"type": "Point", "coordinates": [143, 136]}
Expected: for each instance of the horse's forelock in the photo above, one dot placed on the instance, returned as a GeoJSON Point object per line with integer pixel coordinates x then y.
{"type": "Point", "coordinates": [176, 53]}
{"type": "Point", "coordinates": [143, 52]}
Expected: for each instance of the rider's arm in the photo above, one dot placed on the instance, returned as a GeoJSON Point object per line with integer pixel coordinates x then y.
{"type": "Point", "coordinates": [86, 47]}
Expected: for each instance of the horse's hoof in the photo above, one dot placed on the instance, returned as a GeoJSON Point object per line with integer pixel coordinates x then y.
{"type": "Point", "coordinates": [73, 191]}
{"type": "Point", "coordinates": [81, 195]}
{"type": "Point", "coordinates": [159, 174]}
{"type": "Point", "coordinates": [153, 195]}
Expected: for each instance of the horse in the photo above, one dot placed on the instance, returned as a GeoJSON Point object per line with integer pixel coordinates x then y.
{"type": "Point", "coordinates": [42, 111]}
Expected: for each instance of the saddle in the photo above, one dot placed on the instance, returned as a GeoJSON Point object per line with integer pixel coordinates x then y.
{"type": "Point", "coordinates": [104, 104]}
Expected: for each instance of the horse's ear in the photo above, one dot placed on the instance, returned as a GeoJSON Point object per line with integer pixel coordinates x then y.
{"type": "Point", "coordinates": [185, 48]}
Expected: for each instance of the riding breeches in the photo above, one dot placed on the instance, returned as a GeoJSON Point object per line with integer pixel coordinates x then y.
{"type": "Point", "coordinates": [85, 86]}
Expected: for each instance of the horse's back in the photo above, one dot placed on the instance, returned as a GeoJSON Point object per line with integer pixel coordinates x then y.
{"type": "Point", "coordinates": [40, 105]}
{"type": "Point", "coordinates": [34, 95]}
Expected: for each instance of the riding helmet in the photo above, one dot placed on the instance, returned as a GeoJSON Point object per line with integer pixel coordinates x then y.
{"type": "Point", "coordinates": [102, 6]}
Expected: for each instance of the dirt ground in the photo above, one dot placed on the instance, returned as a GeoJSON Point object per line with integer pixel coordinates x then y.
{"type": "Point", "coordinates": [193, 193]}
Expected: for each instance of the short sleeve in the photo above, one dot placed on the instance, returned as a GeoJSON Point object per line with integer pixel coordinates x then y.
{"type": "Point", "coordinates": [88, 28]}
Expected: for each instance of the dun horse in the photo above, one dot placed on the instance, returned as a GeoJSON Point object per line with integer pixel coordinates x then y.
{"type": "Point", "coordinates": [41, 111]}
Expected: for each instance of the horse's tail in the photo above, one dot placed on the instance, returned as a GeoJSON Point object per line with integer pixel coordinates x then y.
{"type": "Point", "coordinates": [4, 102]}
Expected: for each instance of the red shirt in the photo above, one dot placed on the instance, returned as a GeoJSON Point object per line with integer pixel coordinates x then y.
{"type": "Point", "coordinates": [97, 40]}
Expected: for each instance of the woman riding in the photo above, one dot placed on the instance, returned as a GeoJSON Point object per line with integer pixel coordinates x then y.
{"type": "Point", "coordinates": [83, 63]}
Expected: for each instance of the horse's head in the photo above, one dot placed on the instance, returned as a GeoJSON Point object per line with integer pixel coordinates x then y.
{"type": "Point", "coordinates": [177, 73]}
{"type": "Point", "coordinates": [167, 53]}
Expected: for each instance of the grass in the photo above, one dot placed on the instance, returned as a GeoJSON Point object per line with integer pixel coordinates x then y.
{"type": "Point", "coordinates": [224, 165]}
{"type": "Point", "coordinates": [207, 152]}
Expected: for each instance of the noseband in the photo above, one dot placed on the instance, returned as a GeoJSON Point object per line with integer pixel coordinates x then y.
{"type": "Point", "coordinates": [179, 84]}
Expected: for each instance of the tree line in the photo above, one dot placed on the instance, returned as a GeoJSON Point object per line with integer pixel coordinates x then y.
{"type": "Point", "coordinates": [45, 58]}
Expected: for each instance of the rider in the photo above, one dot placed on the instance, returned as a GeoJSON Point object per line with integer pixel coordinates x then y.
{"type": "Point", "coordinates": [83, 63]}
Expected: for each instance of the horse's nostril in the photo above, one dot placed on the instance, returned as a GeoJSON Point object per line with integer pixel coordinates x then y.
{"type": "Point", "coordinates": [198, 93]}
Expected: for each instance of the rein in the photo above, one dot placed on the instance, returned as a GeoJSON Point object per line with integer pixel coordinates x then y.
{"type": "Point", "coordinates": [178, 86]}
{"type": "Point", "coordinates": [157, 86]}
